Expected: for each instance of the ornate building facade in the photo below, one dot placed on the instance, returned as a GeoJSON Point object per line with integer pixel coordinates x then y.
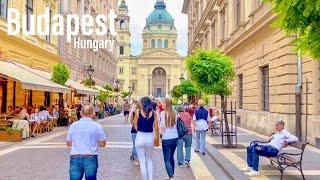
{"type": "Point", "coordinates": [158, 68]}
{"type": "Point", "coordinates": [78, 60]}
{"type": "Point", "coordinates": [17, 85]}
{"type": "Point", "coordinates": [266, 66]}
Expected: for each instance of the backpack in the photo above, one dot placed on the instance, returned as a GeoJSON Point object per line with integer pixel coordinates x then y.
{"type": "Point", "coordinates": [182, 130]}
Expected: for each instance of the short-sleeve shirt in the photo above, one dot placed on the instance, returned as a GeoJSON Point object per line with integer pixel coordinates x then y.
{"type": "Point", "coordinates": [126, 107]}
{"type": "Point", "coordinates": [201, 124]}
{"type": "Point", "coordinates": [84, 135]}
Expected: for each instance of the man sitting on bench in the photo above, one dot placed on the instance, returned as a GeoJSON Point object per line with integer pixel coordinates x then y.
{"type": "Point", "coordinates": [276, 142]}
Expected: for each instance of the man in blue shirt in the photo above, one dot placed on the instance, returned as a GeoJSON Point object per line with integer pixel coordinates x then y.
{"type": "Point", "coordinates": [84, 138]}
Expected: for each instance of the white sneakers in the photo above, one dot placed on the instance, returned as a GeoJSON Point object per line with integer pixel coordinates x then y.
{"type": "Point", "coordinates": [253, 173]}
{"type": "Point", "coordinates": [246, 169]}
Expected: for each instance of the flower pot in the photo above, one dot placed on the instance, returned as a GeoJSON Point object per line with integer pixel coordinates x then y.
{"type": "Point", "coordinates": [15, 136]}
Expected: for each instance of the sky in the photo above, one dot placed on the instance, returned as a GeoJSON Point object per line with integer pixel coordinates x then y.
{"type": "Point", "coordinates": [139, 11]}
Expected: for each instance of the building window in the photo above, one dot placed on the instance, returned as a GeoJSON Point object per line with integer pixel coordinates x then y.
{"type": "Point", "coordinates": [133, 86]}
{"type": "Point", "coordinates": [213, 36]}
{"type": "Point", "coordinates": [159, 43]}
{"type": "Point", "coordinates": [265, 88]}
{"type": "Point", "coordinates": [121, 50]}
{"type": "Point", "coordinates": [29, 11]}
{"type": "Point", "coordinates": [133, 71]}
{"type": "Point", "coordinates": [240, 86]}
{"type": "Point", "coordinates": [223, 23]}
{"type": "Point", "coordinates": [153, 43]}
{"type": "Point", "coordinates": [3, 8]}
{"type": "Point", "coordinates": [48, 37]}
{"type": "Point", "coordinates": [166, 43]}
{"type": "Point", "coordinates": [122, 24]}
{"type": "Point", "coordinates": [121, 70]}
{"type": "Point", "coordinates": [238, 12]}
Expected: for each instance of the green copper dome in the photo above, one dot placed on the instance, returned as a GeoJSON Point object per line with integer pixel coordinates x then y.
{"type": "Point", "coordinates": [160, 15]}
{"type": "Point", "coordinates": [123, 5]}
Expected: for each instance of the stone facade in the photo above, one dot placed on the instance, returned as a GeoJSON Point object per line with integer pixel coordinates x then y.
{"type": "Point", "coordinates": [103, 61]}
{"type": "Point", "coordinates": [39, 52]}
{"type": "Point", "coordinates": [264, 60]}
{"type": "Point", "coordinates": [158, 68]}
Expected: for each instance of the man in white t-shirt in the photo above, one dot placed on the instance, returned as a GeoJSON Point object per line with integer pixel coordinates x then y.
{"type": "Point", "coordinates": [84, 138]}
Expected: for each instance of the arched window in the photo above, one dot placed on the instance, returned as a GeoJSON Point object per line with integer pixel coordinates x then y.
{"type": "Point", "coordinates": [145, 43]}
{"type": "Point", "coordinates": [166, 43]}
{"type": "Point", "coordinates": [122, 24]}
{"type": "Point", "coordinates": [121, 50]}
{"type": "Point", "coordinates": [174, 44]}
{"type": "Point", "coordinates": [159, 43]}
{"type": "Point", "coordinates": [153, 43]}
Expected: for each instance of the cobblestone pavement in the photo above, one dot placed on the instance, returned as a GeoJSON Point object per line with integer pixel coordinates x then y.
{"type": "Point", "coordinates": [48, 157]}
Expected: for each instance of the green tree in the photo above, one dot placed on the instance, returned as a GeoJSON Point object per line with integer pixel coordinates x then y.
{"type": "Point", "coordinates": [60, 74]}
{"type": "Point", "coordinates": [175, 92]}
{"type": "Point", "coordinates": [89, 82]}
{"type": "Point", "coordinates": [184, 88]}
{"type": "Point", "coordinates": [300, 17]}
{"type": "Point", "coordinates": [108, 87]}
{"type": "Point", "coordinates": [213, 72]}
{"type": "Point", "coordinates": [102, 97]}
{"type": "Point", "coordinates": [125, 94]}
{"type": "Point", "coordinates": [187, 87]}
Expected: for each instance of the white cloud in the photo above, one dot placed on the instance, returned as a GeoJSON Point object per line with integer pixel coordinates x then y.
{"type": "Point", "coordinates": [139, 11]}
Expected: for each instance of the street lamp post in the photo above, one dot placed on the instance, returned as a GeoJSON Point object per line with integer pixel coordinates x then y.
{"type": "Point", "coordinates": [130, 91]}
{"type": "Point", "coordinates": [182, 78]}
{"type": "Point", "coordinates": [117, 82]}
{"type": "Point", "coordinates": [90, 71]}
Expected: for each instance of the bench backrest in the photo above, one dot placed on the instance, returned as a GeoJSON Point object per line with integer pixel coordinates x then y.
{"type": "Point", "coordinates": [299, 145]}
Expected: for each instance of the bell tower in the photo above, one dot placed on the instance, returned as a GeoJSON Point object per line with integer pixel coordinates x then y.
{"type": "Point", "coordinates": [123, 30]}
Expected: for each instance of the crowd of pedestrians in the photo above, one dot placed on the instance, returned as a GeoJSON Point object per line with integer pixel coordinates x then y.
{"type": "Point", "coordinates": [154, 124]}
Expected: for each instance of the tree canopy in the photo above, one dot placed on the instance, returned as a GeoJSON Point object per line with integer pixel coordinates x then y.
{"type": "Point", "coordinates": [60, 74]}
{"type": "Point", "coordinates": [300, 17]}
{"type": "Point", "coordinates": [211, 71]}
{"type": "Point", "coordinates": [186, 87]}
{"type": "Point", "coordinates": [108, 87]}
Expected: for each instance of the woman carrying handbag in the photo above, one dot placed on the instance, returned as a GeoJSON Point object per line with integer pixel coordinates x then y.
{"type": "Point", "coordinates": [168, 125]}
{"type": "Point", "coordinates": [146, 124]}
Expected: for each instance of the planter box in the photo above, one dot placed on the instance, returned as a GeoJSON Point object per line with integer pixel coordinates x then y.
{"type": "Point", "coordinates": [14, 137]}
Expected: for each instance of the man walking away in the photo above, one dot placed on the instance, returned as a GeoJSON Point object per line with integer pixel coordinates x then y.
{"type": "Point", "coordinates": [84, 137]}
{"type": "Point", "coordinates": [126, 110]}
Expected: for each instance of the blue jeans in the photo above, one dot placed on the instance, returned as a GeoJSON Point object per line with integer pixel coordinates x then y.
{"type": "Point", "coordinates": [201, 140]}
{"type": "Point", "coordinates": [134, 151]}
{"type": "Point", "coordinates": [187, 139]}
{"type": "Point", "coordinates": [168, 149]}
{"type": "Point", "coordinates": [253, 153]}
{"type": "Point", "coordinates": [83, 165]}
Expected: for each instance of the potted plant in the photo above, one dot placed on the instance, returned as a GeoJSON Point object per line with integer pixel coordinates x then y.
{"type": "Point", "coordinates": [11, 134]}
{"type": "Point", "coordinates": [102, 97]}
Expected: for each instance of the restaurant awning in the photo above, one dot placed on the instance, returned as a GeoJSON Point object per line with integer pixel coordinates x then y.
{"type": "Point", "coordinates": [99, 88]}
{"type": "Point", "coordinates": [81, 89]}
{"type": "Point", "coordinates": [28, 79]}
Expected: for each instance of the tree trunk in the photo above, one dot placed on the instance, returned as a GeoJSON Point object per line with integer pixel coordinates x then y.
{"type": "Point", "coordinates": [223, 103]}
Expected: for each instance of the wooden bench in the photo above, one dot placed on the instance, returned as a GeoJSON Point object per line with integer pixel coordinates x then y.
{"type": "Point", "coordinates": [285, 159]}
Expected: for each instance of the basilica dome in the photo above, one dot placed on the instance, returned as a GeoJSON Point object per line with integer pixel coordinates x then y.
{"type": "Point", "coordinates": [160, 16]}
